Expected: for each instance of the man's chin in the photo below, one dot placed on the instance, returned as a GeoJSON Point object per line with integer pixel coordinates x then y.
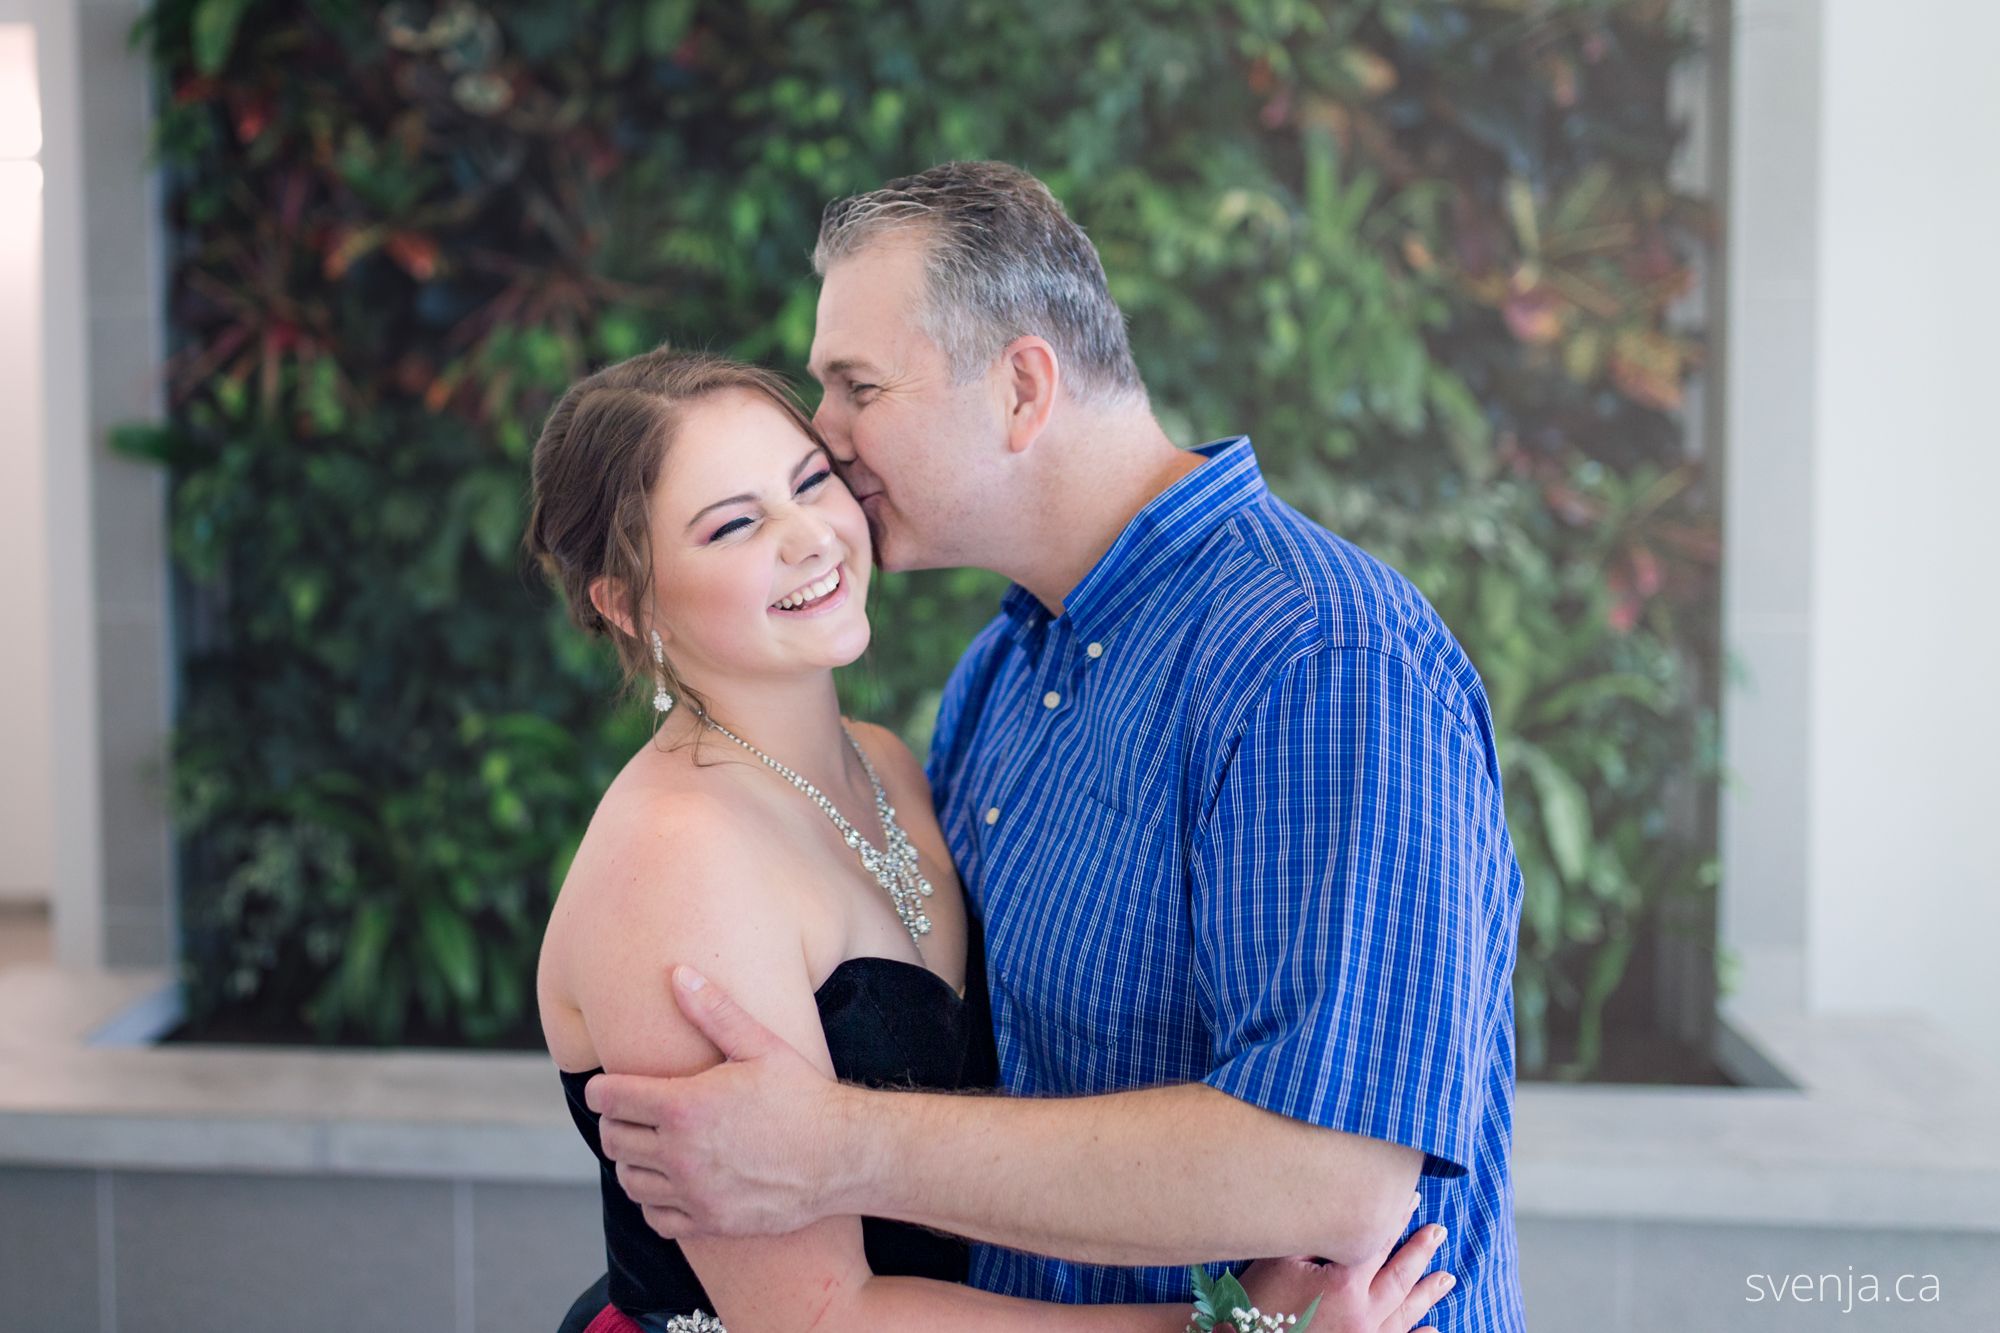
{"type": "Point", "coordinates": [890, 558]}
{"type": "Point", "coordinates": [895, 553]}
{"type": "Point", "coordinates": [886, 549]}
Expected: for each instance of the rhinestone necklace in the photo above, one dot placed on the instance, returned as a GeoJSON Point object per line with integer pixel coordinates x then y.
{"type": "Point", "coordinates": [895, 866]}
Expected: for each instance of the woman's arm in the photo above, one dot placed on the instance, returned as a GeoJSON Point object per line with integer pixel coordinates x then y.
{"type": "Point", "coordinates": [684, 880]}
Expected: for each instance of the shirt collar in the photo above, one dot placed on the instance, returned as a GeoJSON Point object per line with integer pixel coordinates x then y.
{"type": "Point", "coordinates": [1173, 523]}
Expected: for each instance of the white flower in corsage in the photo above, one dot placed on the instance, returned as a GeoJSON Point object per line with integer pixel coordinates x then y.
{"type": "Point", "coordinates": [1221, 1303]}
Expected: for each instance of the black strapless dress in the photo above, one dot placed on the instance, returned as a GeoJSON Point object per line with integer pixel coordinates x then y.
{"type": "Point", "coordinates": [888, 1024]}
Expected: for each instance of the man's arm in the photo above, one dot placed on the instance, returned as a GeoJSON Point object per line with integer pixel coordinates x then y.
{"type": "Point", "coordinates": [1124, 1178]}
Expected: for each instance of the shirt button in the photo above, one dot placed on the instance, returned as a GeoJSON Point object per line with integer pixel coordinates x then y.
{"type": "Point", "coordinates": [993, 814]}
{"type": "Point", "coordinates": [1095, 650]}
{"type": "Point", "coordinates": [1051, 699]}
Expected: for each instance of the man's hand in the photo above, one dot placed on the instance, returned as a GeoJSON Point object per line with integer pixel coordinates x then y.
{"type": "Point", "coordinates": [743, 1149]}
{"type": "Point", "coordinates": [1390, 1295]}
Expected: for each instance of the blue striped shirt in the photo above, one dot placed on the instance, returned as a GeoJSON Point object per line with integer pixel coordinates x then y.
{"type": "Point", "coordinates": [1234, 817]}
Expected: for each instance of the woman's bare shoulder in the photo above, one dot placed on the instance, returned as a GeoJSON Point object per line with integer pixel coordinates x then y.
{"type": "Point", "coordinates": [653, 862]}
{"type": "Point", "coordinates": [893, 759]}
{"type": "Point", "coordinates": [667, 840]}
{"type": "Point", "coordinates": [664, 874]}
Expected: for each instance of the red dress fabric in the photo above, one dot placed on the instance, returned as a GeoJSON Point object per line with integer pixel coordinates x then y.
{"type": "Point", "coordinates": [612, 1320]}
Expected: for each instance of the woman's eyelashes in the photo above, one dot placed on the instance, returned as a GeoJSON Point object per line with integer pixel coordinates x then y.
{"type": "Point", "coordinates": [812, 483]}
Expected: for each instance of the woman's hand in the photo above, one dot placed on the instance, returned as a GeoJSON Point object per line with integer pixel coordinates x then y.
{"type": "Point", "coordinates": [1391, 1295]}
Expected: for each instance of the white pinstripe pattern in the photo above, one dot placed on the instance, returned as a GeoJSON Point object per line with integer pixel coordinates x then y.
{"type": "Point", "coordinates": [1258, 843]}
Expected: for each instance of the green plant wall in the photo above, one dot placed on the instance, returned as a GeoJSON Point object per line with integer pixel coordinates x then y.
{"type": "Point", "coordinates": [1425, 253]}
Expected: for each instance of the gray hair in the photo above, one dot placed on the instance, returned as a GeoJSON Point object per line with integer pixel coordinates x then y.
{"type": "Point", "coordinates": [1002, 259]}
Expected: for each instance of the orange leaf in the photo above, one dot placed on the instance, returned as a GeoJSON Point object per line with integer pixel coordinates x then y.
{"type": "Point", "coordinates": [1534, 315]}
{"type": "Point", "coordinates": [415, 253]}
{"type": "Point", "coordinates": [1646, 366]}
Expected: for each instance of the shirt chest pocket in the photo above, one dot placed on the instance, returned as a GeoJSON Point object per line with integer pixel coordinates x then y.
{"type": "Point", "coordinates": [1093, 943]}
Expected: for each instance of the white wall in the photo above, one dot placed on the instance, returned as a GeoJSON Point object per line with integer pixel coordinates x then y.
{"type": "Point", "coordinates": [26, 811]}
{"type": "Point", "coordinates": [1767, 575]}
{"type": "Point", "coordinates": [105, 543]}
{"type": "Point", "coordinates": [1905, 722]}
{"type": "Point", "coordinates": [1863, 456]}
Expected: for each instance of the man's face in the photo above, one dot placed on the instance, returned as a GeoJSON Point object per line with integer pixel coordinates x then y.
{"type": "Point", "coordinates": [916, 449]}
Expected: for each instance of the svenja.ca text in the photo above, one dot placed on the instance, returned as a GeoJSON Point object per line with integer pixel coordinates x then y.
{"type": "Point", "coordinates": [1846, 1291]}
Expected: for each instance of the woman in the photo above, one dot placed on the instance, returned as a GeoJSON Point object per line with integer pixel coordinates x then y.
{"type": "Point", "coordinates": [687, 509]}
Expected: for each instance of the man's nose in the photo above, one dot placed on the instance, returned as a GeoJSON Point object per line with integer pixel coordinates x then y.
{"type": "Point", "coordinates": [837, 442]}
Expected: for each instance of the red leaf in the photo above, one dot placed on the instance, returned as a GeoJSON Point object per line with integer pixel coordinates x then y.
{"type": "Point", "coordinates": [1534, 315]}
{"type": "Point", "coordinates": [252, 117]}
{"type": "Point", "coordinates": [415, 253]}
{"type": "Point", "coordinates": [1645, 571]}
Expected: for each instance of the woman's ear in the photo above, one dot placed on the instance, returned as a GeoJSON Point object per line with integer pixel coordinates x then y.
{"type": "Point", "coordinates": [607, 594]}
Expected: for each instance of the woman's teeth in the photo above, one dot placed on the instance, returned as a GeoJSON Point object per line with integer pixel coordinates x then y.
{"type": "Point", "coordinates": [810, 593]}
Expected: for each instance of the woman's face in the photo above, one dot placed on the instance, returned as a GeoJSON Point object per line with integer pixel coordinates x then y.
{"type": "Point", "coordinates": [760, 555]}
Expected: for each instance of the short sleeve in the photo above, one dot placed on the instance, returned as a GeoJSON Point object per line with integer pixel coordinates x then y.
{"type": "Point", "coordinates": [1344, 881]}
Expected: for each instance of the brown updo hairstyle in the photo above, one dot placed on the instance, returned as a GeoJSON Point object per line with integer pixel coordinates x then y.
{"type": "Point", "coordinates": [594, 470]}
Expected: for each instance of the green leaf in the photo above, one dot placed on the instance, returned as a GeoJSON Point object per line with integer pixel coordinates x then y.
{"type": "Point", "coordinates": [532, 731]}
{"type": "Point", "coordinates": [319, 394]}
{"type": "Point", "coordinates": [215, 26]}
{"type": "Point", "coordinates": [1204, 1296]}
{"type": "Point", "coordinates": [1565, 816]}
{"type": "Point", "coordinates": [1578, 698]}
{"type": "Point", "coordinates": [1463, 422]}
{"type": "Point", "coordinates": [620, 334]}
{"type": "Point", "coordinates": [155, 442]}
{"type": "Point", "coordinates": [1520, 197]}
{"type": "Point", "coordinates": [449, 941]}
{"type": "Point", "coordinates": [1607, 968]}
{"type": "Point", "coordinates": [621, 42]}
{"type": "Point", "coordinates": [1306, 1316]}
{"type": "Point", "coordinates": [495, 502]}
{"type": "Point", "coordinates": [367, 940]}
{"type": "Point", "coordinates": [665, 24]}
{"type": "Point", "coordinates": [1229, 1296]}
{"type": "Point", "coordinates": [1582, 197]}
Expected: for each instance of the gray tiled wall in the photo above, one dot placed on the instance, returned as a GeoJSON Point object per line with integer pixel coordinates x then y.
{"type": "Point", "coordinates": [50, 1256]}
{"type": "Point", "coordinates": [150, 1252]}
{"type": "Point", "coordinates": [155, 1252]}
{"type": "Point", "coordinates": [1618, 1276]}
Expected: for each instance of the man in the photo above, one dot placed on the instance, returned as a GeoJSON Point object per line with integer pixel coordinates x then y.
{"type": "Point", "coordinates": [1223, 792]}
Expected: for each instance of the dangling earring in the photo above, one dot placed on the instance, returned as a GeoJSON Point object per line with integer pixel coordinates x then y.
{"type": "Point", "coordinates": [662, 701]}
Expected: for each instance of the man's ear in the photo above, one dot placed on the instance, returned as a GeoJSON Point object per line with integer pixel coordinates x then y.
{"type": "Point", "coordinates": [607, 594]}
{"type": "Point", "coordinates": [1033, 379]}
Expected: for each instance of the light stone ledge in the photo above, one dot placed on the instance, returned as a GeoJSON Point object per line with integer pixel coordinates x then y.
{"type": "Point", "coordinates": [1886, 1126]}
{"type": "Point", "coordinates": [459, 1115]}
